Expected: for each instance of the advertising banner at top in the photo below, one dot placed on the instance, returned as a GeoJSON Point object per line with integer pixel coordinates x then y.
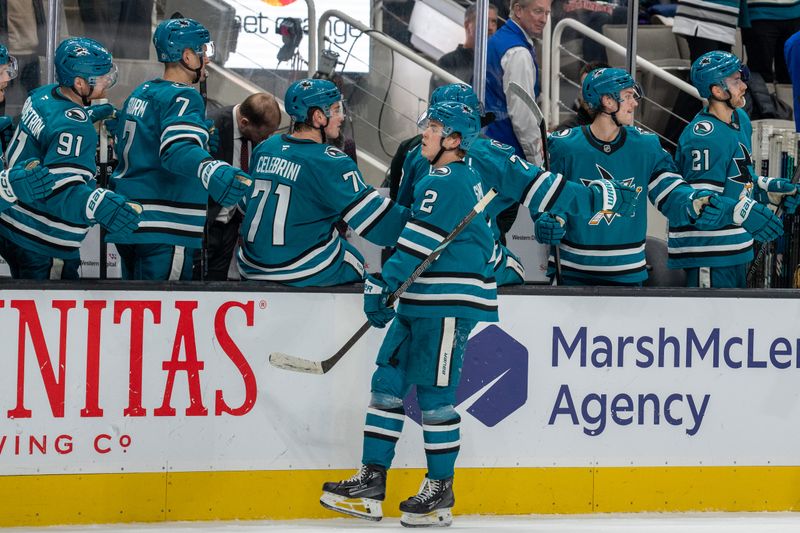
{"type": "Point", "coordinates": [260, 37]}
{"type": "Point", "coordinates": [147, 381]}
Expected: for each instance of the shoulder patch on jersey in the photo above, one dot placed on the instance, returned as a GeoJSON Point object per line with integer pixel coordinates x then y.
{"type": "Point", "coordinates": [643, 131]}
{"type": "Point", "coordinates": [78, 115]}
{"type": "Point", "coordinates": [562, 133]}
{"type": "Point", "coordinates": [441, 171]}
{"type": "Point", "coordinates": [703, 128]}
{"type": "Point", "coordinates": [498, 144]}
{"type": "Point", "coordinates": [332, 151]}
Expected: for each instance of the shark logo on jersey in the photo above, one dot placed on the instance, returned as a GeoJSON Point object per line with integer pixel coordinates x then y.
{"type": "Point", "coordinates": [441, 171]}
{"type": "Point", "coordinates": [561, 133]}
{"type": "Point", "coordinates": [498, 144]}
{"type": "Point", "coordinates": [643, 131]}
{"type": "Point", "coordinates": [744, 178]}
{"type": "Point", "coordinates": [78, 115]}
{"type": "Point", "coordinates": [332, 151]}
{"type": "Point", "coordinates": [600, 215]}
{"type": "Point", "coordinates": [703, 128]}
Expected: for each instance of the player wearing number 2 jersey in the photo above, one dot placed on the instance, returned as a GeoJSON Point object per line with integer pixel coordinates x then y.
{"type": "Point", "coordinates": [302, 188]}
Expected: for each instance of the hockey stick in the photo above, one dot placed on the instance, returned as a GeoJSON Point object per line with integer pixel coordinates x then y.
{"type": "Point", "coordinates": [526, 98]}
{"type": "Point", "coordinates": [762, 252]}
{"type": "Point", "coordinates": [102, 160]}
{"type": "Point", "coordinates": [298, 364]}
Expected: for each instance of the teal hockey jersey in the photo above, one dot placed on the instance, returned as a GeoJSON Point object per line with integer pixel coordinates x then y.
{"type": "Point", "coordinates": [607, 248]}
{"type": "Point", "coordinates": [57, 132]}
{"type": "Point", "coordinates": [301, 190]}
{"type": "Point", "coordinates": [160, 142]}
{"type": "Point", "coordinates": [460, 282]}
{"type": "Point", "coordinates": [514, 179]}
{"type": "Point", "coordinates": [715, 156]}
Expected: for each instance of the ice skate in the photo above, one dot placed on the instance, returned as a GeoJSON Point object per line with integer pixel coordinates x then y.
{"type": "Point", "coordinates": [431, 506]}
{"type": "Point", "coordinates": [359, 496]}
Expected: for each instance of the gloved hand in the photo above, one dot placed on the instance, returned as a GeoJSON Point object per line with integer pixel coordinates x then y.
{"type": "Point", "coordinates": [225, 184]}
{"type": "Point", "coordinates": [376, 293]}
{"type": "Point", "coordinates": [708, 211]}
{"type": "Point", "coordinates": [99, 112]}
{"type": "Point", "coordinates": [6, 130]}
{"type": "Point", "coordinates": [614, 197]}
{"type": "Point", "coordinates": [756, 218]}
{"type": "Point", "coordinates": [113, 211]}
{"type": "Point", "coordinates": [548, 229]}
{"type": "Point", "coordinates": [779, 189]}
{"type": "Point", "coordinates": [26, 182]}
{"type": "Point", "coordinates": [213, 137]}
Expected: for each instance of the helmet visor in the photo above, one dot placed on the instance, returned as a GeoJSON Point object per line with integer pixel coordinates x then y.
{"type": "Point", "coordinates": [745, 72]}
{"type": "Point", "coordinates": [437, 128]}
{"type": "Point", "coordinates": [337, 109]}
{"type": "Point", "coordinates": [11, 68]}
{"type": "Point", "coordinates": [107, 80]}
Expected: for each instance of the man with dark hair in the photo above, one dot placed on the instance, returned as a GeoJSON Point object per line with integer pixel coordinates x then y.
{"type": "Point", "coordinates": [461, 61]}
{"type": "Point", "coordinates": [241, 128]}
{"type": "Point", "coordinates": [583, 115]}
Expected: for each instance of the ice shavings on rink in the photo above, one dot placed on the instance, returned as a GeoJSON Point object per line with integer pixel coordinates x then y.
{"type": "Point", "coordinates": [611, 523]}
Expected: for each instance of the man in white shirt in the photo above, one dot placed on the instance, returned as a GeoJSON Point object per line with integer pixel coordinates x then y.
{"type": "Point", "coordinates": [511, 58]}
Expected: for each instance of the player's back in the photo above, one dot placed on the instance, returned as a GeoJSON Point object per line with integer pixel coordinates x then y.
{"type": "Point", "coordinates": [57, 132]}
{"type": "Point", "coordinates": [156, 114]}
{"type": "Point", "coordinates": [301, 189]}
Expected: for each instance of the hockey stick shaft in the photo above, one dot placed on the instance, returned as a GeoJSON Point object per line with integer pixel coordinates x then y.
{"type": "Point", "coordinates": [762, 252]}
{"type": "Point", "coordinates": [298, 364]}
{"type": "Point", "coordinates": [516, 89]}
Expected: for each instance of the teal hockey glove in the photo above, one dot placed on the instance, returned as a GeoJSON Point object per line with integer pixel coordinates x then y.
{"type": "Point", "coordinates": [213, 137]}
{"type": "Point", "coordinates": [113, 211]}
{"type": "Point", "coordinates": [708, 211]}
{"type": "Point", "coordinates": [225, 184]}
{"type": "Point", "coordinates": [548, 229]}
{"type": "Point", "coordinates": [614, 197]}
{"type": "Point", "coordinates": [780, 190]}
{"type": "Point", "coordinates": [376, 293]}
{"type": "Point", "coordinates": [101, 112]}
{"type": "Point", "coordinates": [26, 182]}
{"type": "Point", "coordinates": [757, 219]}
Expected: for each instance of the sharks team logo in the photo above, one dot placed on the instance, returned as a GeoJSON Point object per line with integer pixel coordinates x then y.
{"type": "Point", "coordinates": [601, 215]}
{"type": "Point", "coordinates": [78, 115]}
{"type": "Point", "coordinates": [81, 51]}
{"type": "Point", "coordinates": [332, 151]}
{"type": "Point", "coordinates": [561, 133]}
{"type": "Point", "coordinates": [498, 144]}
{"type": "Point", "coordinates": [743, 164]}
{"type": "Point", "coordinates": [703, 128]}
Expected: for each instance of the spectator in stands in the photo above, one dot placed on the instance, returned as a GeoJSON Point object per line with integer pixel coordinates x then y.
{"type": "Point", "coordinates": [241, 128]}
{"type": "Point", "coordinates": [125, 25]}
{"type": "Point", "coordinates": [511, 58]}
{"type": "Point", "coordinates": [767, 25]}
{"type": "Point", "coordinates": [23, 27]}
{"type": "Point", "coordinates": [583, 115]}
{"type": "Point", "coordinates": [706, 26]}
{"type": "Point", "coordinates": [461, 61]}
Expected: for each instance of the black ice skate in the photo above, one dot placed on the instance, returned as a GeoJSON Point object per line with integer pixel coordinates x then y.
{"type": "Point", "coordinates": [359, 496]}
{"type": "Point", "coordinates": [431, 506]}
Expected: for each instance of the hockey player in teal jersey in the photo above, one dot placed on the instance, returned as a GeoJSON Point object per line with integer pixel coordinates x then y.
{"type": "Point", "coordinates": [425, 344]}
{"type": "Point", "coordinates": [164, 161]}
{"type": "Point", "coordinates": [29, 180]}
{"type": "Point", "coordinates": [303, 187]}
{"type": "Point", "coordinates": [517, 181]}
{"type": "Point", "coordinates": [41, 239]}
{"type": "Point", "coordinates": [714, 154]}
{"type": "Point", "coordinates": [608, 249]}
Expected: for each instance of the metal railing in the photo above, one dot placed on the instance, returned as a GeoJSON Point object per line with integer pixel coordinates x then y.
{"type": "Point", "coordinates": [551, 49]}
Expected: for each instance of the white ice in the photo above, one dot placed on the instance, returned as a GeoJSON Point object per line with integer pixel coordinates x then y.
{"type": "Point", "coordinates": [610, 523]}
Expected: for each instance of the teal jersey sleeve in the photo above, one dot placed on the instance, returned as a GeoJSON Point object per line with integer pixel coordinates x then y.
{"type": "Point", "coordinates": [376, 218]}
{"type": "Point", "coordinates": [667, 190]}
{"type": "Point", "coordinates": [184, 136]}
